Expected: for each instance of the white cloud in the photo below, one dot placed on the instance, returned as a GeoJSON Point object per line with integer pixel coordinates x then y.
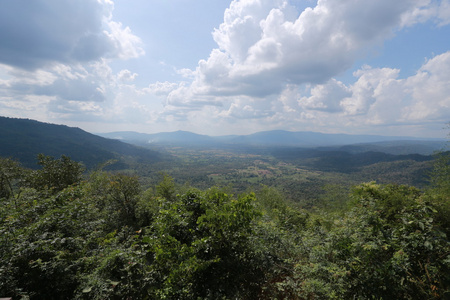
{"type": "Point", "coordinates": [184, 97]}
{"type": "Point", "coordinates": [377, 100]}
{"type": "Point", "coordinates": [245, 108]}
{"type": "Point", "coordinates": [79, 92]}
{"type": "Point", "coordinates": [161, 88]}
{"type": "Point", "coordinates": [126, 75]}
{"type": "Point", "coordinates": [379, 96]}
{"type": "Point", "coordinates": [241, 27]}
{"type": "Point", "coordinates": [365, 90]}
{"type": "Point", "coordinates": [436, 10]}
{"type": "Point", "coordinates": [268, 52]}
{"type": "Point", "coordinates": [186, 73]}
{"type": "Point", "coordinates": [264, 45]}
{"type": "Point", "coordinates": [71, 108]}
{"type": "Point", "coordinates": [443, 13]}
{"type": "Point", "coordinates": [430, 91]}
{"type": "Point", "coordinates": [274, 67]}
{"type": "Point", "coordinates": [127, 45]}
{"type": "Point", "coordinates": [19, 77]}
{"type": "Point", "coordinates": [326, 97]}
{"type": "Point", "coordinates": [25, 106]}
{"type": "Point", "coordinates": [61, 51]}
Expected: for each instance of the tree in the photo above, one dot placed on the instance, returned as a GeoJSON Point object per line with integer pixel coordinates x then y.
{"type": "Point", "coordinates": [439, 191]}
{"type": "Point", "coordinates": [204, 248]}
{"type": "Point", "coordinates": [387, 247]}
{"type": "Point", "coordinates": [115, 195]}
{"type": "Point", "coordinates": [55, 174]}
{"type": "Point", "coordinates": [10, 173]}
{"type": "Point", "coordinates": [166, 188]}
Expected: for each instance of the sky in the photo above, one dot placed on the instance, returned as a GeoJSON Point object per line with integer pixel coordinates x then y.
{"type": "Point", "coordinates": [228, 67]}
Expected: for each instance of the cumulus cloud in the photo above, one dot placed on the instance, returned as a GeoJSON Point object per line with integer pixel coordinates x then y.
{"type": "Point", "coordinates": [265, 44]}
{"type": "Point", "coordinates": [326, 97]}
{"type": "Point", "coordinates": [430, 91]}
{"type": "Point", "coordinates": [369, 85]}
{"type": "Point", "coordinates": [126, 75]}
{"type": "Point", "coordinates": [379, 96]}
{"type": "Point", "coordinates": [63, 82]}
{"type": "Point", "coordinates": [245, 108]}
{"type": "Point", "coordinates": [43, 32]}
{"type": "Point", "coordinates": [277, 65]}
{"type": "Point", "coordinates": [81, 92]}
{"type": "Point", "coordinates": [126, 44]}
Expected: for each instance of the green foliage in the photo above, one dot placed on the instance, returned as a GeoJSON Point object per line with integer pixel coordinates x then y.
{"type": "Point", "coordinates": [439, 192]}
{"type": "Point", "coordinates": [203, 247]}
{"type": "Point", "coordinates": [42, 241]}
{"type": "Point", "coordinates": [106, 238]}
{"type": "Point", "coordinates": [389, 200]}
{"type": "Point", "coordinates": [278, 210]}
{"type": "Point", "coordinates": [396, 230]}
{"type": "Point", "coordinates": [10, 173]}
{"type": "Point", "coordinates": [116, 195]}
{"type": "Point", "coordinates": [387, 247]}
{"type": "Point", "coordinates": [146, 208]}
{"type": "Point", "coordinates": [166, 188]}
{"type": "Point", "coordinates": [441, 172]}
{"type": "Point", "coordinates": [55, 174]}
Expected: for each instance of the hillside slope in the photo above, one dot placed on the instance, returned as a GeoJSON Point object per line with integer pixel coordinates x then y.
{"type": "Point", "coordinates": [23, 139]}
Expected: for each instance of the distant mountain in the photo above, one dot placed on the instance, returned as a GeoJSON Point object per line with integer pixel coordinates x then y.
{"type": "Point", "coordinates": [281, 138]}
{"type": "Point", "coordinates": [165, 138]}
{"type": "Point", "coordinates": [311, 139]}
{"type": "Point", "coordinates": [23, 139]}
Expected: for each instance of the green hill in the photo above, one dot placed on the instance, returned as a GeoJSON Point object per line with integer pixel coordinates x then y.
{"type": "Point", "coordinates": [23, 139]}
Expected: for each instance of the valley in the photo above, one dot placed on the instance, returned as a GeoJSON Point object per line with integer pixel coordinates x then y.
{"type": "Point", "coordinates": [306, 167]}
{"type": "Point", "coordinates": [187, 220]}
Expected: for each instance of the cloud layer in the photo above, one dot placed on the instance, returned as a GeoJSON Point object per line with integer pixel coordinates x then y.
{"type": "Point", "coordinates": [275, 67]}
{"type": "Point", "coordinates": [268, 52]}
{"type": "Point", "coordinates": [264, 45]}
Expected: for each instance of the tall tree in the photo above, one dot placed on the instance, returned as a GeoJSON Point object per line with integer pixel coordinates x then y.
{"type": "Point", "coordinates": [55, 174]}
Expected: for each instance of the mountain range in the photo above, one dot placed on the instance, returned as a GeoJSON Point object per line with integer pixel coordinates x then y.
{"type": "Point", "coordinates": [23, 139]}
{"type": "Point", "coordinates": [282, 138]}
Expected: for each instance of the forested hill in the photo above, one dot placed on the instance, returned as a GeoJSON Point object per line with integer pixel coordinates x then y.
{"type": "Point", "coordinates": [23, 139]}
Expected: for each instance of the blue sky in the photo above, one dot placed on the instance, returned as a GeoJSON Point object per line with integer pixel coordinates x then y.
{"type": "Point", "coordinates": [228, 67]}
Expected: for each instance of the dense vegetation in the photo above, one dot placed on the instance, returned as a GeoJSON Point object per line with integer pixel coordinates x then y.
{"type": "Point", "coordinates": [65, 234]}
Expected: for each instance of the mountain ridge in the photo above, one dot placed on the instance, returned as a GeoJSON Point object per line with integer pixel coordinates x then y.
{"type": "Point", "coordinates": [283, 138]}
{"type": "Point", "coordinates": [23, 139]}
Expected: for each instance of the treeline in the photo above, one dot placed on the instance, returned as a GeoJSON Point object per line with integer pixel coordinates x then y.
{"type": "Point", "coordinates": [65, 235]}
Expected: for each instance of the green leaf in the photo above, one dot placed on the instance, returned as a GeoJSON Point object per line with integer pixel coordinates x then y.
{"type": "Point", "coordinates": [421, 226]}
